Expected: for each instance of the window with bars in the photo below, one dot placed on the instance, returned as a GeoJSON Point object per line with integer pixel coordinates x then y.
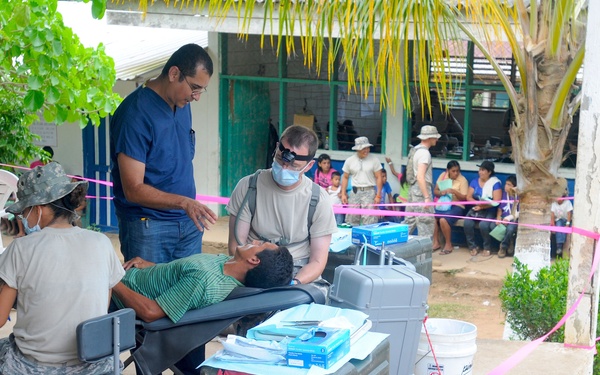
{"type": "Point", "coordinates": [298, 93]}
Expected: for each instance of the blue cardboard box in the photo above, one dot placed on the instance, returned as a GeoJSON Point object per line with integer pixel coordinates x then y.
{"type": "Point", "coordinates": [380, 233]}
{"type": "Point", "coordinates": [319, 346]}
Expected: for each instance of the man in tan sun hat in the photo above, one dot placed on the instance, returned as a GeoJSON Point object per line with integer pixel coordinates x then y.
{"type": "Point", "coordinates": [365, 170]}
{"type": "Point", "coordinates": [419, 176]}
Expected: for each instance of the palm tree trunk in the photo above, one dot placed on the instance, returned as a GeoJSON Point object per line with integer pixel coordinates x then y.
{"type": "Point", "coordinates": [533, 245]}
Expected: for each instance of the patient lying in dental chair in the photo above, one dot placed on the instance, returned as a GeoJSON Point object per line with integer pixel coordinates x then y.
{"type": "Point", "coordinates": [171, 289]}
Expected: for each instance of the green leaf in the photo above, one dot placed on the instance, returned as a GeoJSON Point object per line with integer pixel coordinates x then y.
{"type": "Point", "coordinates": [49, 35]}
{"type": "Point", "coordinates": [52, 94]}
{"type": "Point", "coordinates": [34, 100]}
{"type": "Point", "coordinates": [44, 64]}
{"type": "Point", "coordinates": [50, 114]}
{"type": "Point", "coordinates": [23, 70]}
{"type": "Point", "coordinates": [98, 8]}
{"type": "Point", "coordinates": [38, 38]}
{"type": "Point", "coordinates": [54, 80]}
{"type": "Point", "coordinates": [57, 47]}
{"type": "Point", "coordinates": [35, 82]}
{"type": "Point", "coordinates": [21, 15]}
{"type": "Point", "coordinates": [83, 122]}
{"type": "Point", "coordinates": [61, 114]}
{"type": "Point", "coordinates": [15, 50]}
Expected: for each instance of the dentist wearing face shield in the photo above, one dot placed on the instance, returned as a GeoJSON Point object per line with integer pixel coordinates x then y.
{"type": "Point", "coordinates": [283, 196]}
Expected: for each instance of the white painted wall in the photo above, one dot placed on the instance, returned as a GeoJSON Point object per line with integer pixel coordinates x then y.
{"type": "Point", "coordinates": [205, 114]}
{"type": "Point", "coordinates": [580, 328]}
{"type": "Point", "coordinates": [69, 149]}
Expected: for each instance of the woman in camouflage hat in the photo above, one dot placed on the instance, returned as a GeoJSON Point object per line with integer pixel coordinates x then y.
{"type": "Point", "coordinates": [62, 274]}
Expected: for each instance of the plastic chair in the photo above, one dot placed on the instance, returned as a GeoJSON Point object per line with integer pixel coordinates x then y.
{"type": "Point", "coordinates": [106, 336]}
{"type": "Point", "coordinates": [8, 186]}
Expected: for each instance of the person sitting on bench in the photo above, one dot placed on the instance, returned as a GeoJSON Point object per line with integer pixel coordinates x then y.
{"type": "Point", "coordinates": [171, 289]}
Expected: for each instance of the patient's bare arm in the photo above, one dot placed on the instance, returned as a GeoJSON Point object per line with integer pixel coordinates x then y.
{"type": "Point", "coordinates": [145, 308]}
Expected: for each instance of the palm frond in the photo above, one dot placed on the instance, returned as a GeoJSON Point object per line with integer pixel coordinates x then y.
{"type": "Point", "coordinates": [555, 113]}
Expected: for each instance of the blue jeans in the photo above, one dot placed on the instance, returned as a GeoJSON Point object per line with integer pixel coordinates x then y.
{"type": "Point", "coordinates": [511, 229]}
{"type": "Point", "coordinates": [485, 227]}
{"type": "Point", "coordinates": [560, 237]}
{"type": "Point", "coordinates": [159, 241]}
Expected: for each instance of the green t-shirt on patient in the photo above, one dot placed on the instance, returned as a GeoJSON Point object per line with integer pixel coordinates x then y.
{"type": "Point", "coordinates": [184, 284]}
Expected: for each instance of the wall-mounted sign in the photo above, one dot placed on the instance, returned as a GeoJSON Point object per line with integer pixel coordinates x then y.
{"type": "Point", "coordinates": [46, 131]}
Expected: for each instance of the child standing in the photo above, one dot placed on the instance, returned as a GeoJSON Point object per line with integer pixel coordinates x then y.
{"type": "Point", "coordinates": [562, 213]}
{"type": "Point", "coordinates": [508, 211]}
{"type": "Point", "coordinates": [335, 193]}
{"type": "Point", "coordinates": [324, 171]}
{"type": "Point", "coordinates": [402, 196]}
{"type": "Point", "coordinates": [386, 192]}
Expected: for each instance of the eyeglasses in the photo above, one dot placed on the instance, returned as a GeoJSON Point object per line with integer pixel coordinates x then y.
{"type": "Point", "coordinates": [197, 91]}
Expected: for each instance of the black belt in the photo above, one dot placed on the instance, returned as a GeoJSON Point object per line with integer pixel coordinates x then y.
{"type": "Point", "coordinates": [366, 188]}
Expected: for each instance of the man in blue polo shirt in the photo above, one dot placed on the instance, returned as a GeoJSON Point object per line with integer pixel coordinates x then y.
{"type": "Point", "coordinates": [152, 146]}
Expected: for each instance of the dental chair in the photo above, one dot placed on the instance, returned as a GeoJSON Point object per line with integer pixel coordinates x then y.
{"type": "Point", "coordinates": [162, 343]}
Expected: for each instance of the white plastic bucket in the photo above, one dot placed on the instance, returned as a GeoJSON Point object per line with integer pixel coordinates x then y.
{"type": "Point", "coordinates": [454, 345]}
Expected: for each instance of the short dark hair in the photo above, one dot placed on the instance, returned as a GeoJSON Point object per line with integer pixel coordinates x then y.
{"type": "Point", "coordinates": [383, 171]}
{"type": "Point", "coordinates": [275, 269]}
{"type": "Point", "coordinates": [49, 150]}
{"type": "Point", "coordinates": [513, 179]}
{"type": "Point", "coordinates": [451, 164]}
{"type": "Point", "coordinates": [335, 174]}
{"type": "Point", "coordinates": [298, 136]}
{"type": "Point", "coordinates": [187, 59]}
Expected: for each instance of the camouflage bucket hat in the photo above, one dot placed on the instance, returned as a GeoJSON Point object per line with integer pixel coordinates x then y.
{"type": "Point", "coordinates": [42, 185]}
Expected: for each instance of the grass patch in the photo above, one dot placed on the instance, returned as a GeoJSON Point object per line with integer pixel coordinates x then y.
{"type": "Point", "coordinates": [449, 311]}
{"type": "Point", "coordinates": [453, 272]}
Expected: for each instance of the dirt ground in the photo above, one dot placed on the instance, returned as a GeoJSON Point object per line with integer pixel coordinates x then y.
{"type": "Point", "coordinates": [468, 299]}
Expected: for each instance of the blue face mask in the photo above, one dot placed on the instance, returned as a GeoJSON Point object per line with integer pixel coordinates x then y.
{"type": "Point", "coordinates": [284, 177]}
{"type": "Point", "coordinates": [29, 230]}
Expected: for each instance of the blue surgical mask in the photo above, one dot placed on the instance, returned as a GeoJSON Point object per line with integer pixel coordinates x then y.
{"type": "Point", "coordinates": [284, 177]}
{"type": "Point", "coordinates": [29, 230]}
